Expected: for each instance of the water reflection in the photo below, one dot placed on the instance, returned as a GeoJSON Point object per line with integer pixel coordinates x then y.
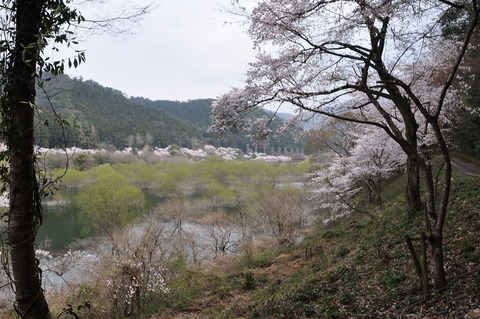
{"type": "Point", "coordinates": [62, 225]}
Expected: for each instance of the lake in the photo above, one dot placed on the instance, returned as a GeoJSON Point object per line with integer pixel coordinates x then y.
{"type": "Point", "coordinates": [61, 223]}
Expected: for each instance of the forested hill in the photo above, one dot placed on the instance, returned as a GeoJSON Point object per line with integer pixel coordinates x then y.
{"type": "Point", "coordinates": [198, 113]}
{"type": "Point", "coordinates": [104, 117]}
{"type": "Point", "coordinates": [195, 111]}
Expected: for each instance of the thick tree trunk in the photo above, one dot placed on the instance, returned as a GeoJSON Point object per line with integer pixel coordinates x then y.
{"type": "Point", "coordinates": [413, 192]}
{"type": "Point", "coordinates": [24, 210]}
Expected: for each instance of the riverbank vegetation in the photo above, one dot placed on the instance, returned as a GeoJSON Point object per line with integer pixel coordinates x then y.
{"type": "Point", "coordinates": [355, 267]}
{"type": "Point", "coordinates": [240, 239]}
{"type": "Point", "coordinates": [213, 247]}
{"type": "Point", "coordinates": [216, 238]}
{"type": "Point", "coordinates": [147, 221]}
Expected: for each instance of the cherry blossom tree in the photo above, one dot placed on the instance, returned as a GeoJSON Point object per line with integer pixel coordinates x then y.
{"type": "Point", "coordinates": [387, 58]}
{"type": "Point", "coordinates": [373, 158]}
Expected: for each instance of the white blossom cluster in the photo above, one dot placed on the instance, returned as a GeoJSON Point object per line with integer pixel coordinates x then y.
{"type": "Point", "coordinates": [133, 279]}
{"type": "Point", "coordinates": [268, 158]}
{"type": "Point", "coordinates": [373, 158]}
{"type": "Point", "coordinates": [77, 255]}
{"type": "Point", "coordinates": [40, 253]}
{"type": "Point", "coordinates": [69, 151]}
{"type": "Point", "coordinates": [227, 153]}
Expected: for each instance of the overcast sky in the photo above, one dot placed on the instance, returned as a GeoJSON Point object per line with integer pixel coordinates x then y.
{"type": "Point", "coordinates": [182, 50]}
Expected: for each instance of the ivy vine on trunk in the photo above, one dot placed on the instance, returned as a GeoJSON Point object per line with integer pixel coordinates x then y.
{"type": "Point", "coordinates": [28, 27]}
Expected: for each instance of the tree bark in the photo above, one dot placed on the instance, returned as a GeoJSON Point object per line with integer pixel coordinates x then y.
{"type": "Point", "coordinates": [436, 237]}
{"type": "Point", "coordinates": [24, 204]}
{"type": "Point", "coordinates": [439, 276]}
{"type": "Point", "coordinates": [413, 192]}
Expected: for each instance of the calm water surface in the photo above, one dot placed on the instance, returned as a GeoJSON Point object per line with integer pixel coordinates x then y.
{"type": "Point", "coordinates": [61, 223]}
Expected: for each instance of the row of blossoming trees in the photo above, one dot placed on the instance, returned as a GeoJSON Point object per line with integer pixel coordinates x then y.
{"type": "Point", "coordinates": [384, 64]}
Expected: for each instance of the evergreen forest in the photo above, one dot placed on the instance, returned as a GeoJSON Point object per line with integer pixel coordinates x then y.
{"type": "Point", "coordinates": [74, 112]}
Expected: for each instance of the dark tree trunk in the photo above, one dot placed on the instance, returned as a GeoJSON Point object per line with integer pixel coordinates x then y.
{"type": "Point", "coordinates": [439, 276]}
{"type": "Point", "coordinates": [438, 219]}
{"type": "Point", "coordinates": [437, 206]}
{"type": "Point", "coordinates": [24, 206]}
{"type": "Point", "coordinates": [413, 192]}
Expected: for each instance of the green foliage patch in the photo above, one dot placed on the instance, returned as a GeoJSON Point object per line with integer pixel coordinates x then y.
{"type": "Point", "coordinates": [110, 202]}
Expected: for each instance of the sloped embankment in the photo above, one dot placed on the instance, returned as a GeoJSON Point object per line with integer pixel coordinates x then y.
{"type": "Point", "coordinates": [358, 267]}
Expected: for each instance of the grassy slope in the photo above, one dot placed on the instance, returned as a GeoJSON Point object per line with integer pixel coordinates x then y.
{"type": "Point", "coordinates": [358, 267]}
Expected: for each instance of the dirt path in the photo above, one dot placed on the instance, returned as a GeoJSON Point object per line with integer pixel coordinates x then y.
{"type": "Point", "coordinates": [466, 167]}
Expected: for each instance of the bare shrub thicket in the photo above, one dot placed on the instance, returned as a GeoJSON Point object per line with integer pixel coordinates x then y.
{"type": "Point", "coordinates": [282, 212]}
{"type": "Point", "coordinates": [188, 225]}
{"type": "Point", "coordinates": [136, 272]}
{"type": "Point", "coordinates": [174, 210]}
{"type": "Point", "coordinates": [123, 284]}
{"type": "Point", "coordinates": [223, 238]}
{"type": "Point", "coordinates": [181, 235]}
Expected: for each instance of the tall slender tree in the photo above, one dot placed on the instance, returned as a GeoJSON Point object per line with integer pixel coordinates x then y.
{"type": "Point", "coordinates": [24, 212]}
{"type": "Point", "coordinates": [27, 28]}
{"type": "Point", "coordinates": [32, 23]}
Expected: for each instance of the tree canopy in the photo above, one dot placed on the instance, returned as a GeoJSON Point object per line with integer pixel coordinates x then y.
{"type": "Point", "coordinates": [387, 63]}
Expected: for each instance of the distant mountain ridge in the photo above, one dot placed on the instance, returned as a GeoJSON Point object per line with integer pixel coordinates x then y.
{"type": "Point", "coordinates": [198, 113]}
{"type": "Point", "coordinates": [195, 111]}
{"type": "Point", "coordinates": [104, 117]}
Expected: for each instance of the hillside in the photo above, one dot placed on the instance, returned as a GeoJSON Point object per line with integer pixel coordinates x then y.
{"type": "Point", "coordinates": [357, 267]}
{"type": "Point", "coordinates": [99, 116]}
{"type": "Point", "coordinates": [194, 111]}
{"type": "Point", "coordinates": [93, 116]}
{"type": "Point", "coordinates": [198, 113]}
